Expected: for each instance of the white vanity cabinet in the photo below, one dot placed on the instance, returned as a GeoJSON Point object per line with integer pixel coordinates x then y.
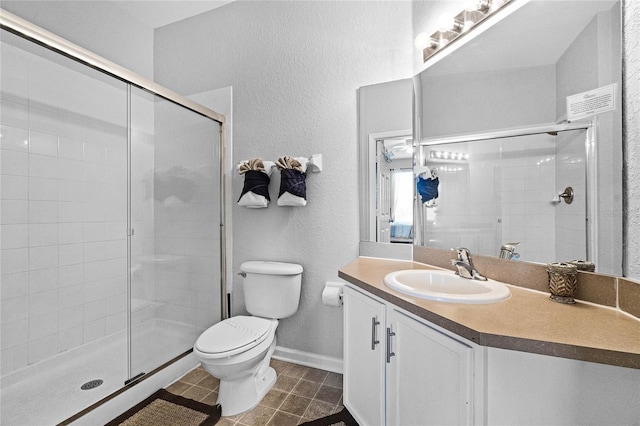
{"type": "Point", "coordinates": [399, 370]}
{"type": "Point", "coordinates": [364, 357]}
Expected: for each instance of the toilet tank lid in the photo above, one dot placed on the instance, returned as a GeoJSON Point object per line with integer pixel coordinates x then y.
{"type": "Point", "coordinates": [271, 268]}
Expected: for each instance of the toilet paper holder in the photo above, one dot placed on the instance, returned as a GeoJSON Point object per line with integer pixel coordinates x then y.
{"type": "Point", "coordinates": [332, 293]}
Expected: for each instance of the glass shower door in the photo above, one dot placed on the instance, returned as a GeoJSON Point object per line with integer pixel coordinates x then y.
{"type": "Point", "coordinates": [175, 232]}
{"type": "Point", "coordinates": [64, 214]}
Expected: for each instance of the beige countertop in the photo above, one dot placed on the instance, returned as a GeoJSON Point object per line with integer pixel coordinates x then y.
{"type": "Point", "coordinates": [528, 321]}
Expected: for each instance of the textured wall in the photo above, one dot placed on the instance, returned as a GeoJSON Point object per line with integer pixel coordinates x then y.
{"type": "Point", "coordinates": [295, 68]}
{"type": "Point", "coordinates": [632, 135]}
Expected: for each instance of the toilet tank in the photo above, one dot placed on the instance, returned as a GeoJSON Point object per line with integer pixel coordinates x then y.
{"type": "Point", "coordinates": [271, 289]}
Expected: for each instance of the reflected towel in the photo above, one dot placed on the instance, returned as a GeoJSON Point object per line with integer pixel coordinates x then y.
{"type": "Point", "coordinates": [427, 188]}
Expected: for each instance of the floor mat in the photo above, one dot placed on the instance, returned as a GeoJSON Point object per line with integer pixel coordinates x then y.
{"type": "Point", "coordinates": [166, 409]}
{"type": "Point", "coordinates": [343, 417]}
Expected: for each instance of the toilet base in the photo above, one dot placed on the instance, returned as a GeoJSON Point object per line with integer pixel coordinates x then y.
{"type": "Point", "coordinates": [238, 396]}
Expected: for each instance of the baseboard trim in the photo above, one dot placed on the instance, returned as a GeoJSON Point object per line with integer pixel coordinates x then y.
{"type": "Point", "coordinates": [309, 359]}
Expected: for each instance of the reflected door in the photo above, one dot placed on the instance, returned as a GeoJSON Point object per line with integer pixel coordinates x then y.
{"type": "Point", "coordinates": [383, 214]}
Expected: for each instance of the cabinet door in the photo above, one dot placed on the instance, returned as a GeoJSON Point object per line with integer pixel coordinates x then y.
{"type": "Point", "coordinates": [364, 320]}
{"type": "Point", "coordinates": [429, 375]}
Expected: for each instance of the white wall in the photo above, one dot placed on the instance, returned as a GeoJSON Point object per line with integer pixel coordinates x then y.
{"type": "Point", "coordinates": [451, 100]}
{"type": "Point", "coordinates": [98, 26]}
{"type": "Point", "coordinates": [295, 68]}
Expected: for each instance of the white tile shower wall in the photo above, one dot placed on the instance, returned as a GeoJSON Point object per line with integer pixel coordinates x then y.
{"type": "Point", "coordinates": [570, 218]}
{"type": "Point", "coordinates": [501, 194]}
{"type": "Point", "coordinates": [528, 181]}
{"type": "Point", "coordinates": [187, 217]}
{"type": "Point", "coordinates": [143, 294]}
{"type": "Point", "coordinates": [63, 208]}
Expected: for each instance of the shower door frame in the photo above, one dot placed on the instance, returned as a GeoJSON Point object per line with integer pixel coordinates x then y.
{"type": "Point", "coordinates": [39, 36]}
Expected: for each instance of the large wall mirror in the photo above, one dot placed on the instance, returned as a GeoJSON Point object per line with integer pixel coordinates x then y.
{"type": "Point", "coordinates": [496, 154]}
{"type": "Point", "coordinates": [490, 122]}
{"type": "Point", "coordinates": [385, 146]}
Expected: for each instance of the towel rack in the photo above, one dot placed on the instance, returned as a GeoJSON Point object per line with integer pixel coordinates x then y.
{"type": "Point", "coordinates": [315, 163]}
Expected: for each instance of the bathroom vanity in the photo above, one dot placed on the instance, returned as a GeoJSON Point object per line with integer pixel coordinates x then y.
{"type": "Point", "coordinates": [380, 384]}
{"type": "Point", "coordinates": [525, 360]}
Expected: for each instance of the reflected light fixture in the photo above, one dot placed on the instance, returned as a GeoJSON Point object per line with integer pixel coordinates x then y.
{"type": "Point", "coordinates": [461, 24]}
{"type": "Point", "coordinates": [448, 155]}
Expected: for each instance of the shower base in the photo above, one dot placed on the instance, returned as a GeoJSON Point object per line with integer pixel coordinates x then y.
{"type": "Point", "coordinates": [49, 391]}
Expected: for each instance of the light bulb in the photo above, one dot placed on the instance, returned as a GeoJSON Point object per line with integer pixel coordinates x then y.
{"type": "Point", "coordinates": [471, 5]}
{"type": "Point", "coordinates": [422, 41]}
{"type": "Point", "coordinates": [444, 22]}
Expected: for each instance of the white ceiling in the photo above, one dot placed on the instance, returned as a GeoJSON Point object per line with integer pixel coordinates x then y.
{"type": "Point", "coordinates": [157, 13]}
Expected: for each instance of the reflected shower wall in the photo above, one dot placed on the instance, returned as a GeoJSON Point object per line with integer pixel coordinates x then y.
{"type": "Point", "coordinates": [503, 192]}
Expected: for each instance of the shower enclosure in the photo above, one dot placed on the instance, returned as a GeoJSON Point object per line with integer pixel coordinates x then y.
{"type": "Point", "coordinates": [112, 219]}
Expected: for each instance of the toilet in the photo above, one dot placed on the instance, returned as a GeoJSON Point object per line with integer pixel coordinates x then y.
{"type": "Point", "coordinates": [238, 349]}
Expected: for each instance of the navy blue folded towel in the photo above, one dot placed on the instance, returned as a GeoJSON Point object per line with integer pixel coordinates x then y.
{"type": "Point", "coordinates": [256, 182]}
{"type": "Point", "coordinates": [427, 188]}
{"type": "Point", "coordinates": [293, 182]}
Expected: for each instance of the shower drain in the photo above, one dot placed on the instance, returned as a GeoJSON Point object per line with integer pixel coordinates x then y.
{"type": "Point", "coordinates": [92, 384]}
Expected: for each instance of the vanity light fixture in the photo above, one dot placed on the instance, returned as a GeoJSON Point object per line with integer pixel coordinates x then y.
{"type": "Point", "coordinates": [462, 23]}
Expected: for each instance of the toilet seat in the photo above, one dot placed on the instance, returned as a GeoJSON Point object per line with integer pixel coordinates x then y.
{"type": "Point", "coordinates": [234, 335]}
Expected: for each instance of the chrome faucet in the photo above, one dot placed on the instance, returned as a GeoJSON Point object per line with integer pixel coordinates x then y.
{"type": "Point", "coordinates": [464, 264]}
{"type": "Point", "coordinates": [508, 251]}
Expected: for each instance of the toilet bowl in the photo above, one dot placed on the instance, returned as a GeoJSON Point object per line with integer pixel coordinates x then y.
{"type": "Point", "coordinates": [238, 350]}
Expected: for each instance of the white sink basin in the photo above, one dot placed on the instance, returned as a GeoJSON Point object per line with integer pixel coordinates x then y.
{"type": "Point", "coordinates": [446, 286]}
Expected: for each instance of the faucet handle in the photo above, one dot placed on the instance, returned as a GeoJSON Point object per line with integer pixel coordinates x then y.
{"type": "Point", "coordinates": [463, 253]}
{"type": "Point", "coordinates": [510, 246]}
{"type": "Point", "coordinates": [507, 251]}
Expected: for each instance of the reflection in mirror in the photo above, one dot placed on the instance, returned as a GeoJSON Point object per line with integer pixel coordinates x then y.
{"type": "Point", "coordinates": [499, 192]}
{"type": "Point", "coordinates": [518, 74]}
{"type": "Point", "coordinates": [394, 190]}
{"type": "Point", "coordinates": [385, 160]}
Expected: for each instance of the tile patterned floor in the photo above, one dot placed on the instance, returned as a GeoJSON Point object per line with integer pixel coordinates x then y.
{"type": "Point", "coordinates": [300, 394]}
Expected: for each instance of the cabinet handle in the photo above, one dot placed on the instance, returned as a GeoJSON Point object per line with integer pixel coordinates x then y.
{"type": "Point", "coordinates": [390, 353]}
{"type": "Point", "coordinates": [374, 337]}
